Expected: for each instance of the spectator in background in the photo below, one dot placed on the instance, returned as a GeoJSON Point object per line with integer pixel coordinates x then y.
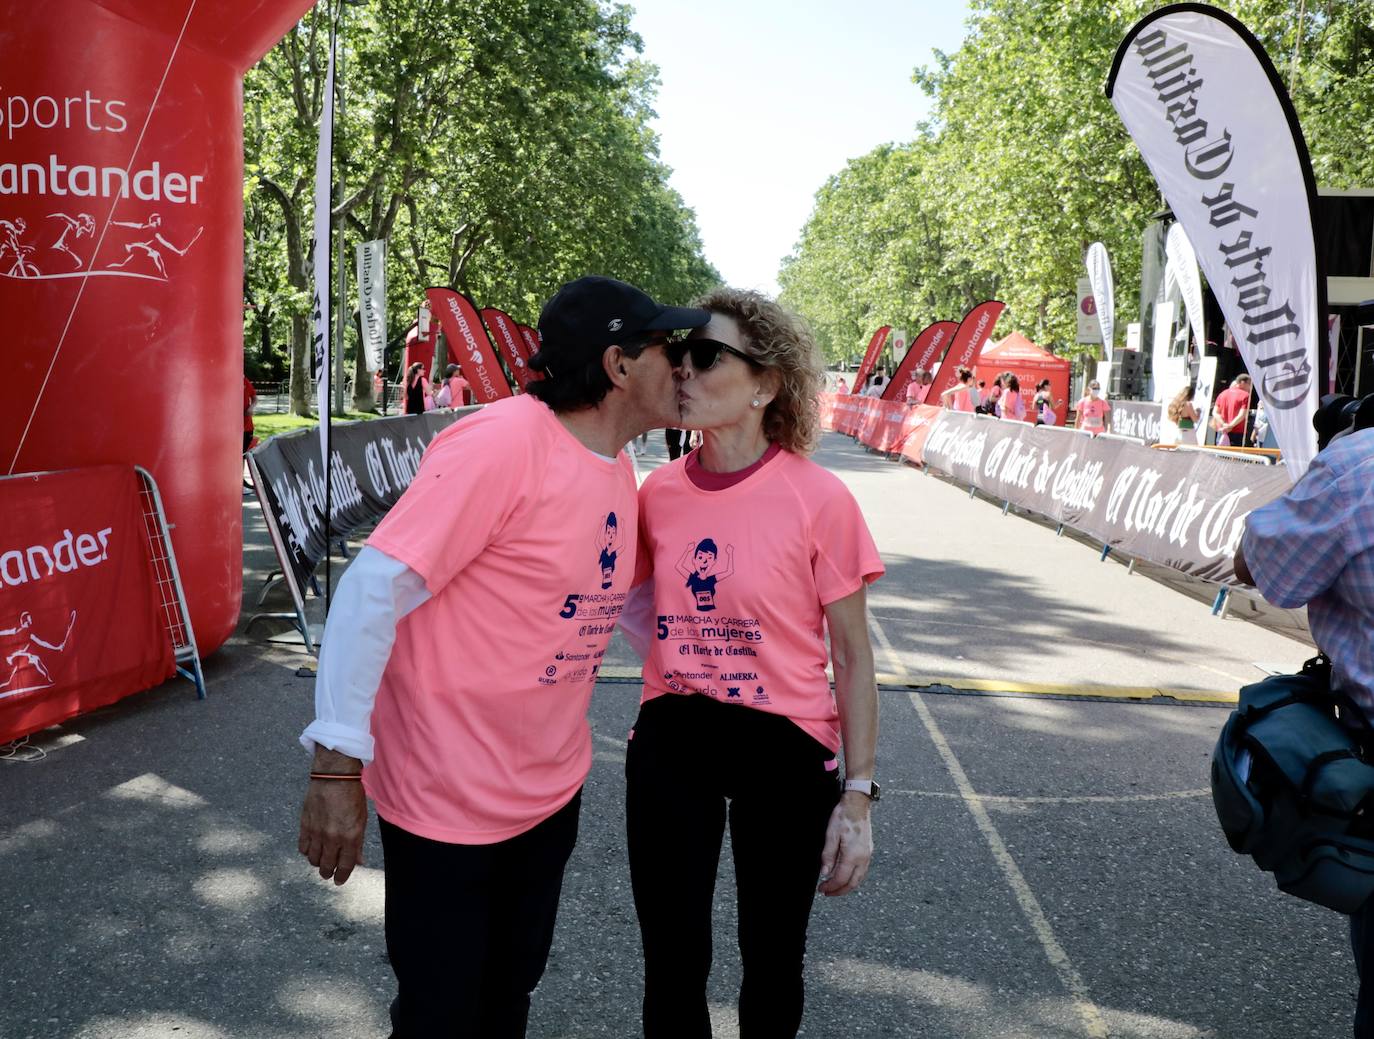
{"type": "Point", "coordinates": [914, 386]}
{"type": "Point", "coordinates": [443, 399]}
{"type": "Point", "coordinates": [417, 389]}
{"type": "Point", "coordinates": [1231, 410]}
{"type": "Point", "coordinates": [876, 387]}
{"type": "Point", "coordinates": [989, 404]}
{"type": "Point", "coordinates": [963, 396]}
{"type": "Point", "coordinates": [1261, 428]}
{"type": "Point", "coordinates": [1046, 407]}
{"type": "Point", "coordinates": [672, 438]}
{"type": "Point", "coordinates": [250, 400]}
{"type": "Point", "coordinates": [1181, 411]}
{"type": "Point", "coordinates": [1013, 404]}
{"type": "Point", "coordinates": [842, 386]}
{"type": "Point", "coordinates": [1092, 410]}
{"type": "Point", "coordinates": [459, 391]}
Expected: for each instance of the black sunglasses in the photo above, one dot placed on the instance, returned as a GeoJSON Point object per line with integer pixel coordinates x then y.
{"type": "Point", "coordinates": [704, 353]}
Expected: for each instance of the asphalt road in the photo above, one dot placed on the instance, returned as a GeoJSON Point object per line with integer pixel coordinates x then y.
{"type": "Point", "coordinates": [1046, 866]}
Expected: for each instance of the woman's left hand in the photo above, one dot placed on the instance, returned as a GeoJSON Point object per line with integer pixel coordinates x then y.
{"type": "Point", "coordinates": [848, 846]}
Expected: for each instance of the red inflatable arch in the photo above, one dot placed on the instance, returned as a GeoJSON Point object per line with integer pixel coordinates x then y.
{"type": "Point", "coordinates": [121, 256]}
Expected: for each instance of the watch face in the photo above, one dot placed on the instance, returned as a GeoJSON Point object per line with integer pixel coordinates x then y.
{"type": "Point", "coordinates": [877, 792]}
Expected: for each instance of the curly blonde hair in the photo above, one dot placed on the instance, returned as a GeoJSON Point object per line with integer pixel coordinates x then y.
{"type": "Point", "coordinates": [783, 344]}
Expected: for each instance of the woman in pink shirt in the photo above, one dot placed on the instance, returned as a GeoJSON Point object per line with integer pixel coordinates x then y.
{"type": "Point", "coordinates": [1092, 410]}
{"type": "Point", "coordinates": [960, 397]}
{"type": "Point", "coordinates": [1013, 406]}
{"type": "Point", "coordinates": [751, 552]}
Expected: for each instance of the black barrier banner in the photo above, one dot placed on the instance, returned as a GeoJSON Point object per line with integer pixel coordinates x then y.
{"type": "Point", "coordinates": [1133, 418]}
{"type": "Point", "coordinates": [372, 463]}
{"type": "Point", "coordinates": [1183, 509]}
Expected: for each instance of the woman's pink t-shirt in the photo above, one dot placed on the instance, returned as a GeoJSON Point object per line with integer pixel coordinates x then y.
{"type": "Point", "coordinates": [745, 624]}
{"type": "Point", "coordinates": [481, 717]}
{"type": "Point", "coordinates": [1013, 406]}
{"type": "Point", "coordinates": [963, 400]}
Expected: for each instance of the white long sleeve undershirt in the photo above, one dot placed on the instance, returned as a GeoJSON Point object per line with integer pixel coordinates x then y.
{"type": "Point", "coordinates": [375, 593]}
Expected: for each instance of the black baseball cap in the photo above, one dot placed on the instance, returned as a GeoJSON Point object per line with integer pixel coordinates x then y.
{"type": "Point", "coordinates": [587, 315]}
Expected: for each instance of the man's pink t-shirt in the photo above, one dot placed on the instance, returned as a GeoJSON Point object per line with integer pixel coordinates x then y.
{"type": "Point", "coordinates": [912, 391]}
{"type": "Point", "coordinates": [526, 541]}
{"type": "Point", "coordinates": [1093, 411]}
{"type": "Point", "coordinates": [741, 579]}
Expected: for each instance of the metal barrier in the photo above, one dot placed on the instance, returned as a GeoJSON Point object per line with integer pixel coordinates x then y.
{"type": "Point", "coordinates": [1261, 455]}
{"type": "Point", "coordinates": [172, 599]}
{"type": "Point", "coordinates": [286, 573]}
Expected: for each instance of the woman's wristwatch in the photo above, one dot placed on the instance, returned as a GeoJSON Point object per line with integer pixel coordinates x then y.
{"type": "Point", "coordinates": [868, 787]}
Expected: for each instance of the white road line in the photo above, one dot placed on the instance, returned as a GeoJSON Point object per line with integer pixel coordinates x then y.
{"type": "Point", "coordinates": [1088, 1012]}
{"type": "Point", "coordinates": [1172, 795]}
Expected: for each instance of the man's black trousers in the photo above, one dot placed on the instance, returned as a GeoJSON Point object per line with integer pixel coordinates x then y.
{"type": "Point", "coordinates": [469, 927]}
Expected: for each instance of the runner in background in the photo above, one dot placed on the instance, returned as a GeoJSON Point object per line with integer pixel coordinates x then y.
{"type": "Point", "coordinates": [963, 395]}
{"type": "Point", "coordinates": [992, 400]}
{"type": "Point", "coordinates": [1046, 407]}
{"type": "Point", "coordinates": [1092, 410]}
{"type": "Point", "coordinates": [841, 386]}
{"type": "Point", "coordinates": [516, 537]}
{"type": "Point", "coordinates": [672, 440]}
{"type": "Point", "coordinates": [737, 722]}
{"type": "Point", "coordinates": [1013, 406]}
{"type": "Point", "coordinates": [444, 398]}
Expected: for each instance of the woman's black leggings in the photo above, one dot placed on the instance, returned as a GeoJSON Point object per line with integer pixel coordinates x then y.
{"type": "Point", "coordinates": [693, 763]}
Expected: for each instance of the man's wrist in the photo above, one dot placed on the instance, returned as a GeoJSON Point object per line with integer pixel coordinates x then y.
{"type": "Point", "coordinates": [335, 762]}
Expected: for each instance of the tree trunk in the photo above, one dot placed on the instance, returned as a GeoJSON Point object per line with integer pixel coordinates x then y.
{"type": "Point", "coordinates": [302, 358]}
{"type": "Point", "coordinates": [364, 397]}
{"type": "Point", "coordinates": [301, 362]}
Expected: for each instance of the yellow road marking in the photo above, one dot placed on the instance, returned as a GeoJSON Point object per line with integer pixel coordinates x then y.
{"type": "Point", "coordinates": [901, 678]}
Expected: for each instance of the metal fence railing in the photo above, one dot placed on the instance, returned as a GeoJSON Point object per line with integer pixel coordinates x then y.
{"type": "Point", "coordinates": [274, 398]}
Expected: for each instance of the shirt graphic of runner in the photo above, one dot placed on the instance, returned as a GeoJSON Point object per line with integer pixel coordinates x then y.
{"type": "Point", "coordinates": [697, 565]}
{"type": "Point", "coordinates": [608, 543]}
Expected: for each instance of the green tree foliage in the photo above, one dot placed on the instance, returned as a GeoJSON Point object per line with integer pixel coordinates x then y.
{"type": "Point", "coordinates": [1025, 162]}
{"type": "Point", "coordinates": [501, 147]}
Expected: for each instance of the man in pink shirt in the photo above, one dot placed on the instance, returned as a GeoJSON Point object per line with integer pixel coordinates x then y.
{"type": "Point", "coordinates": [515, 546]}
{"type": "Point", "coordinates": [1232, 408]}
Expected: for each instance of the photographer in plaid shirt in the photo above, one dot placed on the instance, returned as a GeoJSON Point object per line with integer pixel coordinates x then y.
{"type": "Point", "coordinates": [1314, 547]}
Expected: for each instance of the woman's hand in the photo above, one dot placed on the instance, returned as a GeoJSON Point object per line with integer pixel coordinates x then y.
{"type": "Point", "coordinates": [848, 845]}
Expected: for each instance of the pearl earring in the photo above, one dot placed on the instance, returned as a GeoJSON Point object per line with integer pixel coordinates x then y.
{"type": "Point", "coordinates": [754, 403]}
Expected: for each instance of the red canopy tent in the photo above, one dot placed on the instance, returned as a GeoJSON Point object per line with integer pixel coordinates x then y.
{"type": "Point", "coordinates": [1030, 364]}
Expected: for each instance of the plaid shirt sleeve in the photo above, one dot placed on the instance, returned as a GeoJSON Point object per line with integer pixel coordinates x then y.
{"type": "Point", "coordinates": [1295, 546]}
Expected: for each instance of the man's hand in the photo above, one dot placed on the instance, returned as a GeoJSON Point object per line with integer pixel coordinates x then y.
{"type": "Point", "coordinates": [848, 845]}
{"type": "Point", "coordinates": [334, 817]}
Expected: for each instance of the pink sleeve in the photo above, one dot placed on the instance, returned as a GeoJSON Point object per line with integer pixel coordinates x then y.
{"type": "Point", "coordinates": [843, 553]}
{"type": "Point", "coordinates": [644, 555]}
{"type": "Point", "coordinates": [454, 507]}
